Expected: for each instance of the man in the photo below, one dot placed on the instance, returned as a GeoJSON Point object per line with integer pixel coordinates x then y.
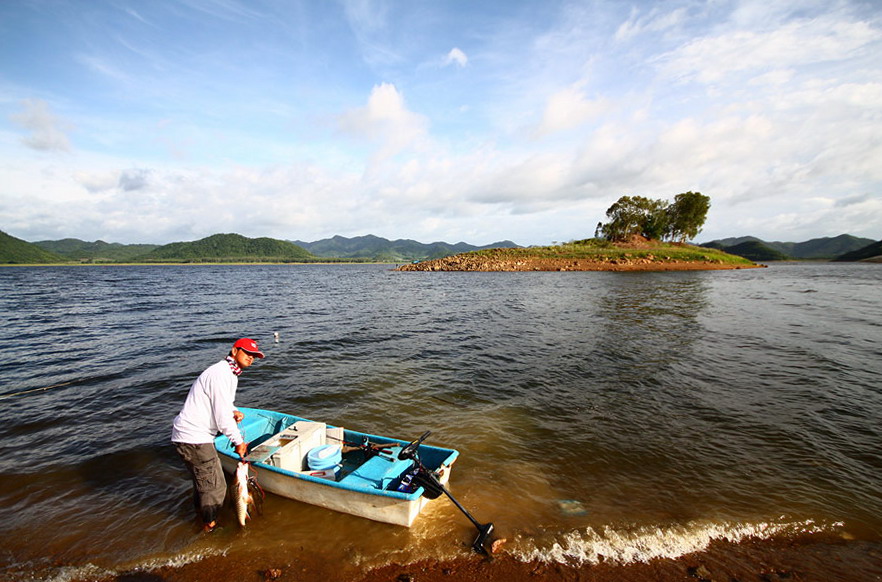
{"type": "Point", "coordinates": [207, 412]}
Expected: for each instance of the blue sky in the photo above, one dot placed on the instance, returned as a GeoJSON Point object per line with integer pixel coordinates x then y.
{"type": "Point", "coordinates": [162, 121]}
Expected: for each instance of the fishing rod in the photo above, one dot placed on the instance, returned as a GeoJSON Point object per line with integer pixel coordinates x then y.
{"type": "Point", "coordinates": [35, 390]}
{"type": "Point", "coordinates": [369, 449]}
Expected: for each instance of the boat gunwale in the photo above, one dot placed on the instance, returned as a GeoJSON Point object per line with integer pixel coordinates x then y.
{"type": "Point", "coordinates": [227, 451]}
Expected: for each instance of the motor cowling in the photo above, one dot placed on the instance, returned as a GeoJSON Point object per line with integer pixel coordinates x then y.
{"type": "Point", "coordinates": [432, 488]}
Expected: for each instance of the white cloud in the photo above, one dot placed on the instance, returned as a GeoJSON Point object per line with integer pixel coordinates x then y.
{"type": "Point", "coordinates": [854, 200]}
{"type": "Point", "coordinates": [97, 181]}
{"type": "Point", "coordinates": [126, 180]}
{"type": "Point", "coordinates": [569, 108]}
{"type": "Point", "coordinates": [102, 66]}
{"type": "Point", "coordinates": [369, 22]}
{"type": "Point", "coordinates": [776, 78]}
{"type": "Point", "coordinates": [47, 132]}
{"type": "Point", "coordinates": [714, 58]}
{"type": "Point", "coordinates": [386, 121]}
{"type": "Point", "coordinates": [134, 14]}
{"type": "Point", "coordinates": [134, 179]}
{"type": "Point", "coordinates": [657, 20]}
{"type": "Point", "coordinates": [456, 56]}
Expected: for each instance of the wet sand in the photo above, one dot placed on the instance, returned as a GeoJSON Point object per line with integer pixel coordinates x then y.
{"type": "Point", "coordinates": [807, 559]}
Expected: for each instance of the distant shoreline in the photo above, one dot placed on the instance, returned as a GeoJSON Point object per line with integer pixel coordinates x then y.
{"type": "Point", "coordinates": [193, 264]}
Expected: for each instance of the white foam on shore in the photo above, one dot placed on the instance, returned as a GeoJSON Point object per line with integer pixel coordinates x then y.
{"type": "Point", "coordinates": [93, 572]}
{"type": "Point", "coordinates": [642, 544]}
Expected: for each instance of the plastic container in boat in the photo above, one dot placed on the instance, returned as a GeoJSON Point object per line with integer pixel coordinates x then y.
{"type": "Point", "coordinates": [326, 460]}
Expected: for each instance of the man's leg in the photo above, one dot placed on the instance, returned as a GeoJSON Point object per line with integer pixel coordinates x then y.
{"type": "Point", "coordinates": [208, 479]}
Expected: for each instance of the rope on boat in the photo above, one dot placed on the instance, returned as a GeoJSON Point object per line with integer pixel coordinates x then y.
{"type": "Point", "coordinates": [35, 390]}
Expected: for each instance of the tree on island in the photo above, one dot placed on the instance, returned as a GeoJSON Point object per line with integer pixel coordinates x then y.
{"type": "Point", "coordinates": [655, 219]}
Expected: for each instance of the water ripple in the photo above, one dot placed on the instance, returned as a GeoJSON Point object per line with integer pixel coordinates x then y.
{"type": "Point", "coordinates": [695, 404]}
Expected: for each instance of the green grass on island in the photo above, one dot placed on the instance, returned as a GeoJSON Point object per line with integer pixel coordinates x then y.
{"type": "Point", "coordinates": [605, 251]}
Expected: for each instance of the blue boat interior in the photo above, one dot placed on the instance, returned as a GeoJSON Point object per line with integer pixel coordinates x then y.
{"type": "Point", "coordinates": [380, 473]}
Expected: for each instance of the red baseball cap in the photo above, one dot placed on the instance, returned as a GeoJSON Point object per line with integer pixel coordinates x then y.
{"type": "Point", "coordinates": [249, 345]}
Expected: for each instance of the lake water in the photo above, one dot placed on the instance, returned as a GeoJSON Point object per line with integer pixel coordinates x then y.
{"type": "Point", "coordinates": [614, 417]}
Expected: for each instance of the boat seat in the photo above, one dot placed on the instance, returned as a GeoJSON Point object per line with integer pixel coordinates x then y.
{"type": "Point", "coordinates": [379, 472]}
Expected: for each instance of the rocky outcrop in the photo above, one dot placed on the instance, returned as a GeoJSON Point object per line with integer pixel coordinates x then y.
{"type": "Point", "coordinates": [473, 262]}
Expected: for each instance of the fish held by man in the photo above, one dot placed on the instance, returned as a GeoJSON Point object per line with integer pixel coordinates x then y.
{"type": "Point", "coordinates": [246, 494]}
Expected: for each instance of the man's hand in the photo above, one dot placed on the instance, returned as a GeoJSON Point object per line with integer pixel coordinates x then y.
{"type": "Point", "coordinates": [238, 416]}
{"type": "Point", "coordinates": [241, 450]}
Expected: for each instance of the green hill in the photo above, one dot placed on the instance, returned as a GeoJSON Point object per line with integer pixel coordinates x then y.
{"type": "Point", "coordinates": [229, 248]}
{"type": "Point", "coordinates": [723, 243]}
{"type": "Point", "coordinates": [14, 251]}
{"type": "Point", "coordinates": [871, 253]}
{"type": "Point", "coordinates": [380, 249]}
{"type": "Point", "coordinates": [98, 251]}
{"type": "Point", "coordinates": [828, 248]}
{"type": "Point", "coordinates": [756, 251]}
{"type": "Point", "coordinates": [814, 249]}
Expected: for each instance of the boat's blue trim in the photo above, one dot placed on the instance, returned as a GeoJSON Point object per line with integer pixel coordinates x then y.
{"type": "Point", "coordinates": [259, 425]}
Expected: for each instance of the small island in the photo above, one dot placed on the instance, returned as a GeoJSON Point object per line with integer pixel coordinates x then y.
{"type": "Point", "coordinates": [636, 254]}
{"type": "Point", "coordinates": [632, 240]}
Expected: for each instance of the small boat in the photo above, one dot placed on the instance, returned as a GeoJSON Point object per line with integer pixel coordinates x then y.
{"type": "Point", "coordinates": [340, 469]}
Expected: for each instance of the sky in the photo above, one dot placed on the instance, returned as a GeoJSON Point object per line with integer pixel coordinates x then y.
{"type": "Point", "coordinates": [445, 120]}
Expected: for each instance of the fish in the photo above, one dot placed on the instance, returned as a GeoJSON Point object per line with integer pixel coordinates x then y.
{"type": "Point", "coordinates": [246, 493]}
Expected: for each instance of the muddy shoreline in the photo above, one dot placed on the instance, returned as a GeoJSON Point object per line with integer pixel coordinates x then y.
{"type": "Point", "coordinates": [808, 559]}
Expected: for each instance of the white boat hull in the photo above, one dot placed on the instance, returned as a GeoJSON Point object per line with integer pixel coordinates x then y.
{"type": "Point", "coordinates": [368, 490]}
{"type": "Point", "coordinates": [374, 507]}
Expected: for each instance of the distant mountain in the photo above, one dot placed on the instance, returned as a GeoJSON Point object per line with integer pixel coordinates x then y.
{"type": "Point", "coordinates": [14, 251]}
{"type": "Point", "coordinates": [229, 248]}
{"type": "Point", "coordinates": [871, 253]}
{"type": "Point", "coordinates": [755, 251]}
{"type": "Point", "coordinates": [818, 248]}
{"type": "Point", "coordinates": [78, 250]}
{"type": "Point", "coordinates": [828, 248]}
{"type": "Point", "coordinates": [235, 248]}
{"type": "Point", "coordinates": [380, 249]}
{"type": "Point", "coordinates": [723, 243]}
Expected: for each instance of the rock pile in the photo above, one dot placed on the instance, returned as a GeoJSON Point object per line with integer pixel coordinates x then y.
{"type": "Point", "coordinates": [476, 262]}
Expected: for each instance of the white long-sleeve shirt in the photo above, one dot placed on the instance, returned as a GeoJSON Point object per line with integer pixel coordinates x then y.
{"type": "Point", "coordinates": [208, 409]}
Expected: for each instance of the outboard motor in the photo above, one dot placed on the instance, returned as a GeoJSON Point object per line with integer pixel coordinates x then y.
{"type": "Point", "coordinates": [432, 489]}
